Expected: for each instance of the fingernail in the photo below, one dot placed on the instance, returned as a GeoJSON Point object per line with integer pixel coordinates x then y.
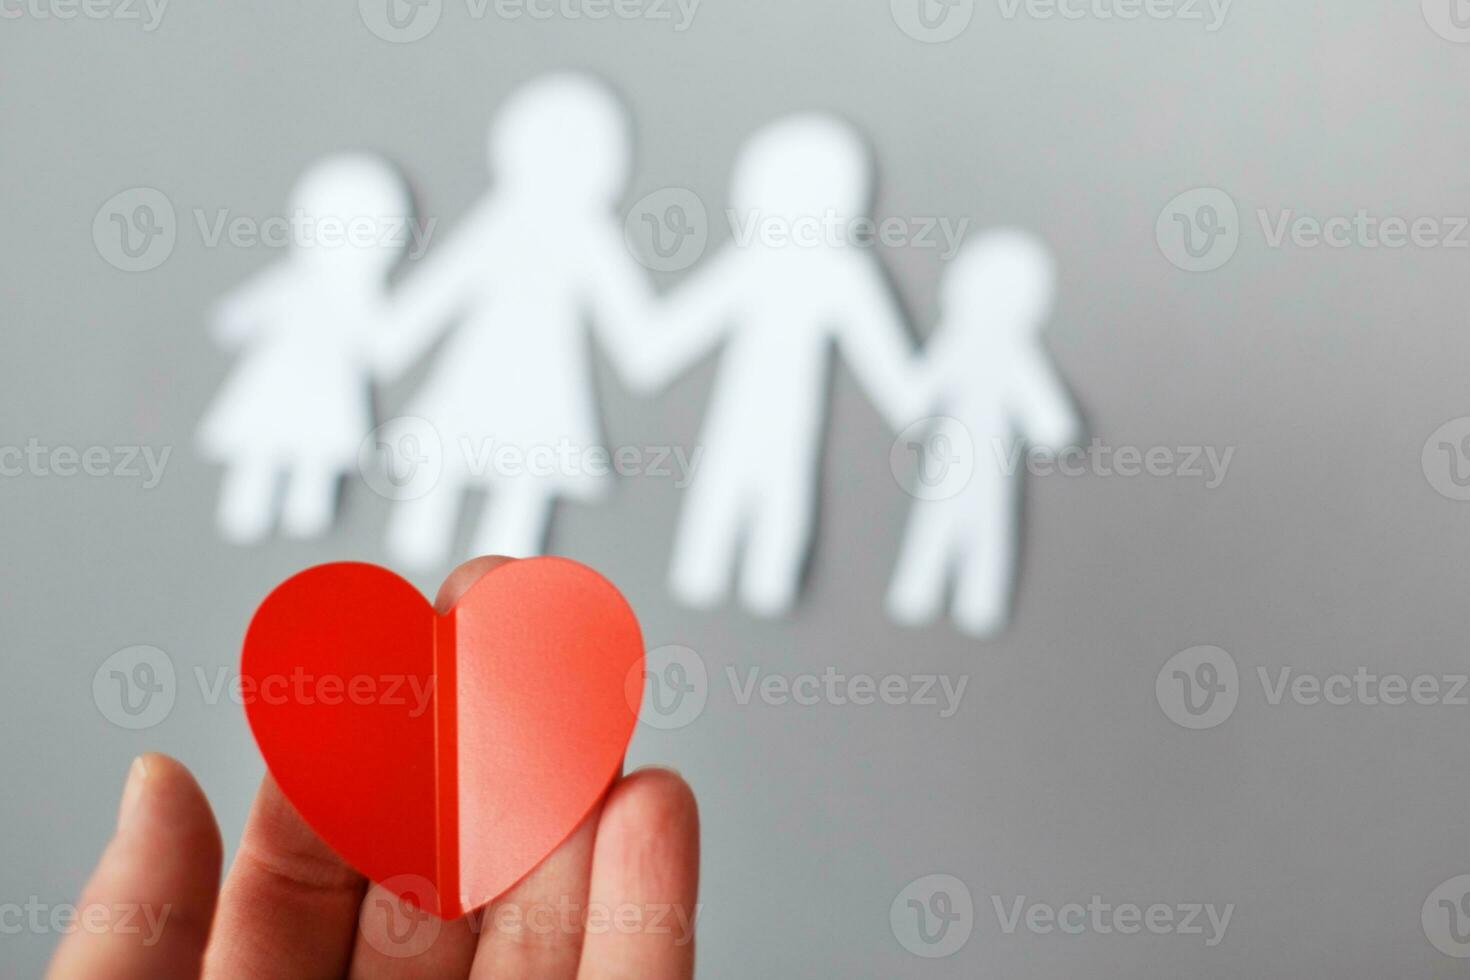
{"type": "Point", "coordinates": [132, 791]}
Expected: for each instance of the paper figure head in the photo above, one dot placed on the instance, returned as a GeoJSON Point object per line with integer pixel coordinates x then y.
{"type": "Point", "coordinates": [351, 213]}
{"type": "Point", "coordinates": [1005, 275]}
{"type": "Point", "coordinates": [804, 166]}
{"type": "Point", "coordinates": [563, 140]}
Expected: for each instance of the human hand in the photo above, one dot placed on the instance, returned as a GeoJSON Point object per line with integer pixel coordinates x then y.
{"type": "Point", "coordinates": [615, 900]}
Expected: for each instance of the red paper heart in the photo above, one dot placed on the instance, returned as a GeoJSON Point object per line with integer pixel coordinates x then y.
{"type": "Point", "coordinates": [460, 749]}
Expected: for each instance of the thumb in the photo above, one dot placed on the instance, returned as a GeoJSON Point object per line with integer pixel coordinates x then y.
{"type": "Point", "coordinates": [145, 912]}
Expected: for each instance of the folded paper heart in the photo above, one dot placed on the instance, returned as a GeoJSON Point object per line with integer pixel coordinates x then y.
{"type": "Point", "coordinates": [444, 756]}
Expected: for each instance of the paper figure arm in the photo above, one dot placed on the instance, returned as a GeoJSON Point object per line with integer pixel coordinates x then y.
{"type": "Point", "coordinates": [250, 307]}
{"type": "Point", "coordinates": [874, 340]}
{"type": "Point", "coordinates": [692, 320]}
{"type": "Point", "coordinates": [620, 302]}
{"type": "Point", "coordinates": [434, 290]}
{"type": "Point", "coordinates": [1039, 401]}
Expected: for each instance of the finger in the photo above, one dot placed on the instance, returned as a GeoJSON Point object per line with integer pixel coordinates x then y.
{"type": "Point", "coordinates": [535, 929]}
{"type": "Point", "coordinates": [465, 575]}
{"type": "Point", "coordinates": [289, 906]}
{"type": "Point", "coordinates": [396, 941]}
{"type": "Point", "coordinates": [645, 882]}
{"type": "Point", "coordinates": [145, 913]}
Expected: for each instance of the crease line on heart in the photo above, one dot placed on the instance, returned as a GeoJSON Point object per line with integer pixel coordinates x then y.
{"type": "Point", "coordinates": [446, 767]}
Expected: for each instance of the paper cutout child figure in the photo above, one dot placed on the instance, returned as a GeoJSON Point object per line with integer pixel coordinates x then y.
{"type": "Point", "coordinates": [298, 404]}
{"type": "Point", "coordinates": [779, 301]}
{"type": "Point", "coordinates": [987, 373]}
{"type": "Point", "coordinates": [511, 392]}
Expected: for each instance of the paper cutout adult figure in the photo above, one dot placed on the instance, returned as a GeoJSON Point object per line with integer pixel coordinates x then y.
{"type": "Point", "coordinates": [298, 404]}
{"type": "Point", "coordinates": [778, 301]}
{"type": "Point", "coordinates": [511, 392]}
{"type": "Point", "coordinates": [988, 377]}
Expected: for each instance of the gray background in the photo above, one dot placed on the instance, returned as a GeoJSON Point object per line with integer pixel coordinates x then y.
{"type": "Point", "coordinates": [1326, 548]}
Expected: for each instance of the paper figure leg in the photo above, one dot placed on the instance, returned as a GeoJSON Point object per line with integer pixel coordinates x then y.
{"type": "Point", "coordinates": [311, 501]}
{"type": "Point", "coordinates": [987, 571]}
{"type": "Point", "coordinates": [515, 520]}
{"type": "Point", "coordinates": [247, 501]}
{"type": "Point", "coordinates": [771, 577]}
{"type": "Point", "coordinates": [421, 530]}
{"type": "Point", "coordinates": [916, 593]}
{"type": "Point", "coordinates": [706, 541]}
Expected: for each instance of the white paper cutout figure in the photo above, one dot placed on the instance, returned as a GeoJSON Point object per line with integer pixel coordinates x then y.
{"type": "Point", "coordinates": [535, 260]}
{"type": "Point", "coordinates": [985, 369]}
{"type": "Point", "coordinates": [298, 404]}
{"type": "Point", "coordinates": [778, 302]}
